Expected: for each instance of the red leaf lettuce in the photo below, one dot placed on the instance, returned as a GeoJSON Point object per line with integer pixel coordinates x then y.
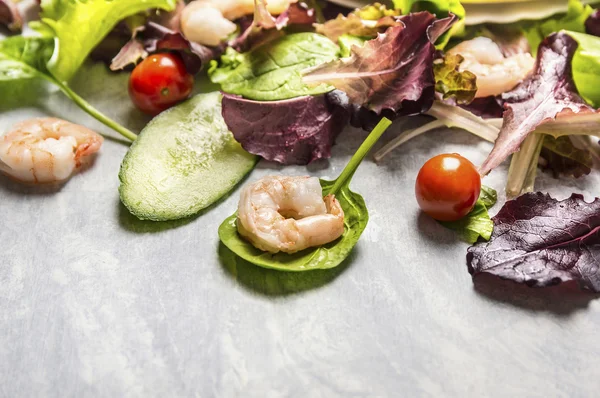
{"type": "Point", "coordinates": [549, 92]}
{"type": "Point", "coordinates": [294, 131]}
{"type": "Point", "coordinates": [541, 241]}
{"type": "Point", "coordinates": [393, 72]}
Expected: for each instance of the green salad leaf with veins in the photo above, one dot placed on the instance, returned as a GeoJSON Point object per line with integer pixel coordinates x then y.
{"type": "Point", "coordinates": [78, 26]}
{"type": "Point", "coordinates": [272, 71]}
{"type": "Point", "coordinates": [69, 30]}
{"type": "Point", "coordinates": [477, 224]}
{"type": "Point", "coordinates": [327, 256]}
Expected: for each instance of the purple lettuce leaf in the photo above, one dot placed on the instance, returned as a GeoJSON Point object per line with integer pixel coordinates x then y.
{"type": "Point", "coordinates": [486, 107]}
{"type": "Point", "coordinates": [295, 131]}
{"type": "Point", "coordinates": [540, 241]}
{"type": "Point", "coordinates": [546, 94]}
{"type": "Point", "coordinates": [10, 15]}
{"type": "Point", "coordinates": [393, 72]}
{"type": "Point", "coordinates": [131, 53]}
{"type": "Point", "coordinates": [152, 38]}
{"type": "Point", "coordinates": [561, 157]}
{"type": "Point", "coordinates": [592, 24]}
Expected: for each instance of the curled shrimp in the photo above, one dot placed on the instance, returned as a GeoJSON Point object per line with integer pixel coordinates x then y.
{"type": "Point", "coordinates": [46, 150]}
{"type": "Point", "coordinates": [496, 74]}
{"type": "Point", "coordinates": [209, 22]}
{"type": "Point", "coordinates": [288, 214]}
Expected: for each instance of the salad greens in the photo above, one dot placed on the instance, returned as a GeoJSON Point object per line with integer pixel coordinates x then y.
{"type": "Point", "coordinates": [331, 255]}
{"type": "Point", "coordinates": [295, 131]}
{"type": "Point", "coordinates": [93, 20]}
{"type": "Point", "coordinates": [184, 160]}
{"type": "Point", "coordinates": [477, 224]}
{"type": "Point", "coordinates": [450, 82]}
{"type": "Point", "coordinates": [25, 58]}
{"type": "Point", "coordinates": [272, 71]}
{"type": "Point", "coordinates": [540, 241]}
{"type": "Point", "coordinates": [290, 86]}
{"type": "Point", "coordinates": [547, 93]}
{"type": "Point", "coordinates": [393, 72]}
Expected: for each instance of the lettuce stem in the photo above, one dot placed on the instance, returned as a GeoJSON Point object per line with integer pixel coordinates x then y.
{"type": "Point", "coordinates": [83, 104]}
{"type": "Point", "coordinates": [360, 154]}
{"type": "Point", "coordinates": [523, 166]}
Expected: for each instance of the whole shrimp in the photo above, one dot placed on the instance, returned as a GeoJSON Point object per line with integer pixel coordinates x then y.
{"type": "Point", "coordinates": [288, 214]}
{"type": "Point", "coordinates": [46, 150]}
{"type": "Point", "coordinates": [496, 74]}
{"type": "Point", "coordinates": [209, 22]}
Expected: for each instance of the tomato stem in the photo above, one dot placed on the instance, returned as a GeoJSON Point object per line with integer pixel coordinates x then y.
{"type": "Point", "coordinates": [83, 104]}
{"type": "Point", "coordinates": [360, 154]}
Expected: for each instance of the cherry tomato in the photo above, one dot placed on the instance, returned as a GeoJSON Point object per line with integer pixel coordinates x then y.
{"type": "Point", "coordinates": [159, 82]}
{"type": "Point", "coordinates": [448, 187]}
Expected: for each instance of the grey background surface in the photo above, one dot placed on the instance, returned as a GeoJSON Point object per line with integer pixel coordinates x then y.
{"type": "Point", "coordinates": [96, 303]}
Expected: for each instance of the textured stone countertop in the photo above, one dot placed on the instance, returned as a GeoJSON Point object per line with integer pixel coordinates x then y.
{"type": "Point", "coordinates": [96, 303]}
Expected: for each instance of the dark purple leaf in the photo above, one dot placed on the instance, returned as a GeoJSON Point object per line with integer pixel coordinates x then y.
{"type": "Point", "coordinates": [194, 55]}
{"type": "Point", "coordinates": [540, 241]}
{"type": "Point", "coordinates": [592, 24]}
{"type": "Point", "coordinates": [561, 157]}
{"type": "Point", "coordinates": [155, 38]}
{"type": "Point", "coordinates": [10, 15]}
{"type": "Point", "coordinates": [486, 107]}
{"type": "Point", "coordinates": [393, 72]}
{"type": "Point", "coordinates": [295, 131]}
{"type": "Point", "coordinates": [546, 94]}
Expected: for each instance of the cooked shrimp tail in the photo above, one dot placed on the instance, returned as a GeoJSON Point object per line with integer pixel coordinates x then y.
{"type": "Point", "coordinates": [288, 214]}
{"type": "Point", "coordinates": [46, 150]}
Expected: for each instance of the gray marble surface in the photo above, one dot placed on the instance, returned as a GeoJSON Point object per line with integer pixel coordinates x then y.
{"type": "Point", "coordinates": [96, 303]}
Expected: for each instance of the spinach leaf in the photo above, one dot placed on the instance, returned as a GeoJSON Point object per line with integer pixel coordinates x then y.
{"type": "Point", "coordinates": [79, 25]}
{"type": "Point", "coordinates": [478, 222]}
{"type": "Point", "coordinates": [331, 255]}
{"type": "Point", "coordinates": [272, 71]}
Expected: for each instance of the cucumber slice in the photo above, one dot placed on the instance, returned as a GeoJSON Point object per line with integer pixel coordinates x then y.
{"type": "Point", "coordinates": [183, 161]}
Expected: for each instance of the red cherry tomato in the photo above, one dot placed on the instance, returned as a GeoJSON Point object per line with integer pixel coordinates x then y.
{"type": "Point", "coordinates": [159, 82]}
{"type": "Point", "coordinates": [448, 187]}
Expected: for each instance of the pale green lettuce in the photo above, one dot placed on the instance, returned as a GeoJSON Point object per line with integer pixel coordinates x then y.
{"type": "Point", "coordinates": [78, 26]}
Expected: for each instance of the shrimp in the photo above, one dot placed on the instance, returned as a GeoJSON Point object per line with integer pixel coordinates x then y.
{"type": "Point", "coordinates": [495, 73]}
{"type": "Point", "coordinates": [46, 150]}
{"type": "Point", "coordinates": [288, 214]}
{"type": "Point", "coordinates": [209, 22]}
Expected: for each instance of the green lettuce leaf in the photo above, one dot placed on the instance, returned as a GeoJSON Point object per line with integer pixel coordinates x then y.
{"type": "Point", "coordinates": [573, 20]}
{"type": "Point", "coordinates": [586, 67]}
{"type": "Point", "coordinates": [79, 25]}
{"type": "Point", "coordinates": [347, 41]}
{"type": "Point", "coordinates": [23, 58]}
{"type": "Point", "coordinates": [23, 62]}
{"type": "Point", "coordinates": [272, 71]}
{"type": "Point", "coordinates": [452, 83]}
{"type": "Point", "coordinates": [22, 65]}
{"type": "Point", "coordinates": [478, 222]}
